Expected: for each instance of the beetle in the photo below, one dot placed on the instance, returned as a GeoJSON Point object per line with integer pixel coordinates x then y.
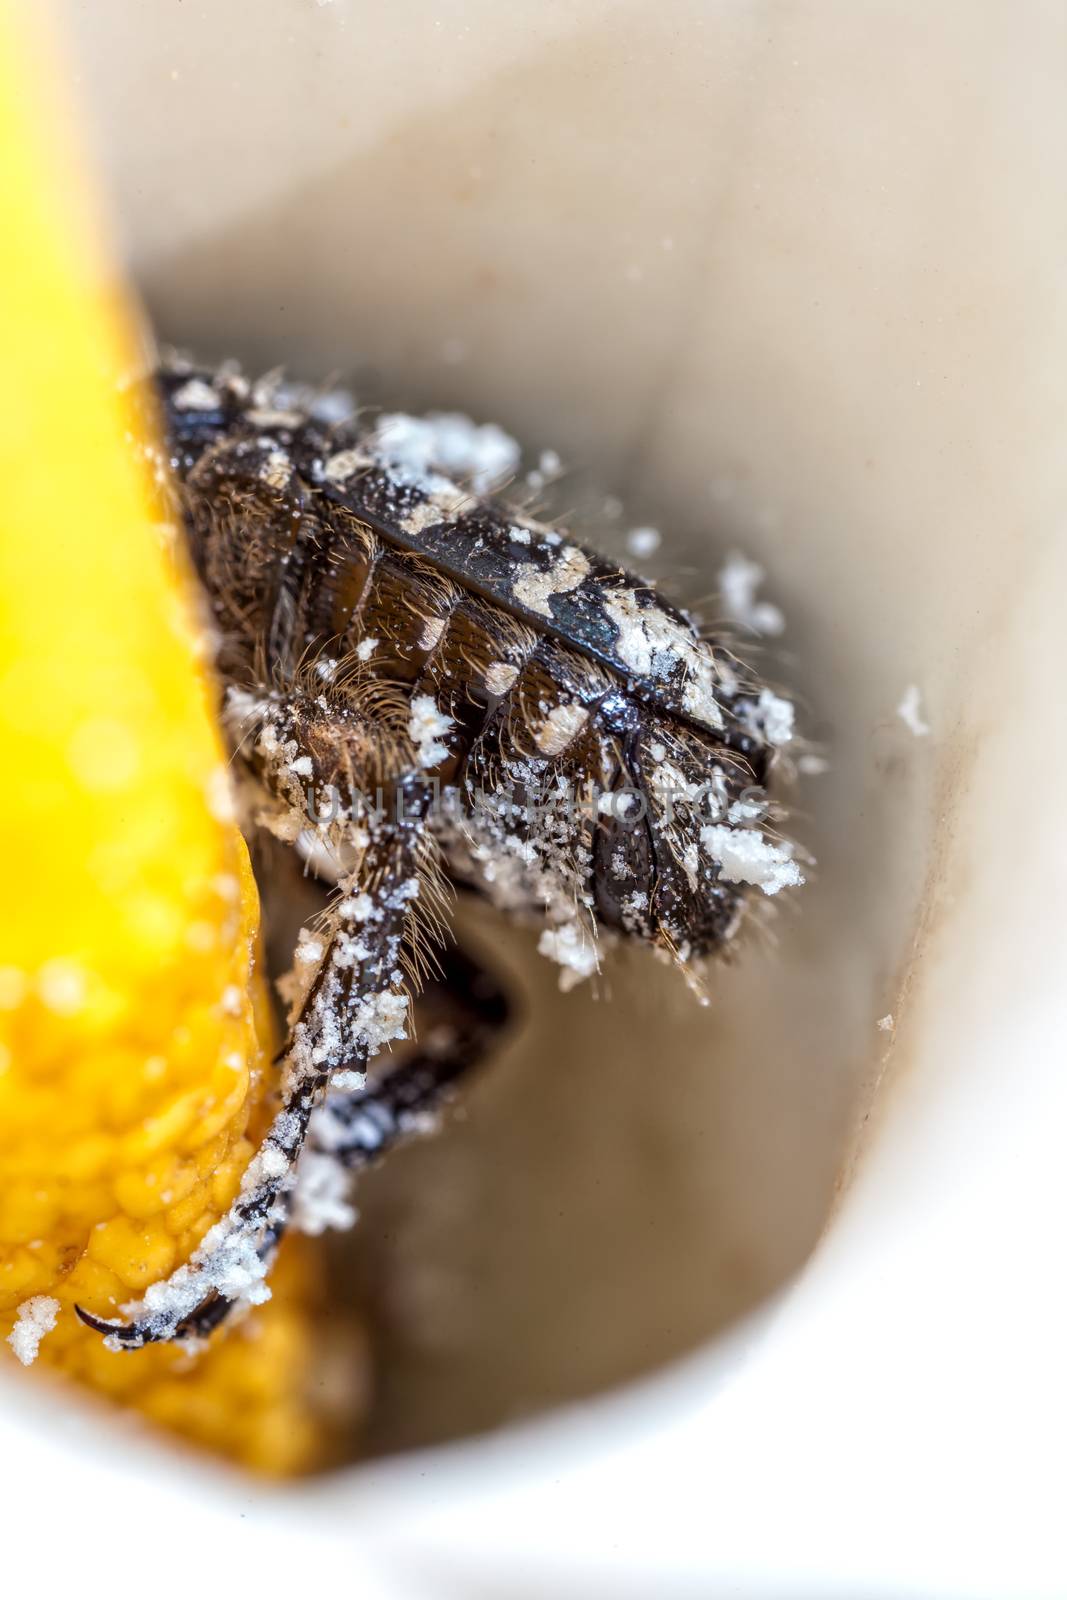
{"type": "Point", "coordinates": [425, 688]}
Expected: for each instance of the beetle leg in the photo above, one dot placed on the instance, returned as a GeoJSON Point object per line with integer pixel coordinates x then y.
{"type": "Point", "coordinates": [358, 1128]}
{"type": "Point", "coordinates": [345, 1017]}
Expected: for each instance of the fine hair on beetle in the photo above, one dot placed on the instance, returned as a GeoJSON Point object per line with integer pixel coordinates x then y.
{"type": "Point", "coordinates": [423, 689]}
{"type": "Point", "coordinates": [325, 804]}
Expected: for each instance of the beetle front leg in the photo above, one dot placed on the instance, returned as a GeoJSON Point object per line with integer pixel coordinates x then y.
{"type": "Point", "coordinates": [355, 1003]}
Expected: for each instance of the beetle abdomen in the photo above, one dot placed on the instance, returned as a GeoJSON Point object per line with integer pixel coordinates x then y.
{"type": "Point", "coordinates": [567, 684]}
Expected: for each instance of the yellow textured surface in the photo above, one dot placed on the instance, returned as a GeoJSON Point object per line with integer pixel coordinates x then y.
{"type": "Point", "coordinates": [131, 1059]}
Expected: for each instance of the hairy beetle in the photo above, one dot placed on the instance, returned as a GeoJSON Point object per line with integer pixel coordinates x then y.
{"type": "Point", "coordinates": [424, 687]}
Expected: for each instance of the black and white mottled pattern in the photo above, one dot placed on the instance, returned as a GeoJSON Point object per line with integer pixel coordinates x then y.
{"type": "Point", "coordinates": [422, 685]}
{"type": "Point", "coordinates": [533, 572]}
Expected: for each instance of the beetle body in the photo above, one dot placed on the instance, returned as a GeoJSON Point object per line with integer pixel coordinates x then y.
{"type": "Point", "coordinates": [563, 680]}
{"type": "Point", "coordinates": [426, 687]}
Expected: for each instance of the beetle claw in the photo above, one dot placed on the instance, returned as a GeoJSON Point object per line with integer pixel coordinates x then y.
{"type": "Point", "coordinates": [129, 1334]}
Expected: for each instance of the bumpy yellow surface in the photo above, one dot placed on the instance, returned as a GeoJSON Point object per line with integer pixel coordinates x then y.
{"type": "Point", "coordinates": [132, 1068]}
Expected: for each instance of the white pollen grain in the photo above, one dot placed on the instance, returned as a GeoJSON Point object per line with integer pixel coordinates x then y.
{"type": "Point", "coordinates": [574, 950]}
{"type": "Point", "coordinates": [427, 729]}
{"type": "Point", "coordinates": [276, 470]}
{"type": "Point", "coordinates": [772, 718]}
{"type": "Point", "coordinates": [910, 713]}
{"type": "Point", "coordinates": [739, 580]}
{"type": "Point", "coordinates": [746, 856]}
{"type": "Point", "coordinates": [36, 1318]}
{"type": "Point", "coordinates": [419, 450]}
{"type": "Point", "coordinates": [196, 395]}
{"type": "Point", "coordinates": [643, 542]}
